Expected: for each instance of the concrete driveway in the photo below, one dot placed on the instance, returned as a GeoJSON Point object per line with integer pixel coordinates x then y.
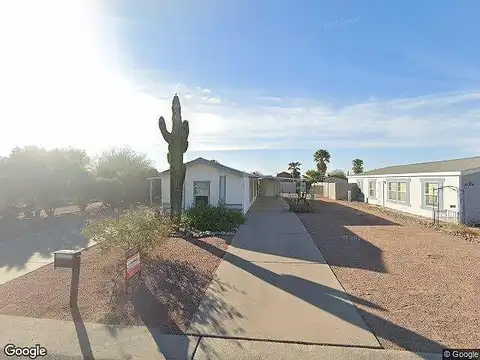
{"type": "Point", "coordinates": [279, 287]}
{"type": "Point", "coordinates": [28, 252]}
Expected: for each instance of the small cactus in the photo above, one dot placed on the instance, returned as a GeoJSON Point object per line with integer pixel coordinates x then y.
{"type": "Point", "coordinates": [177, 141]}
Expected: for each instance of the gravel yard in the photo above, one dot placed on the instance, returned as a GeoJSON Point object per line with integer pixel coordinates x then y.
{"type": "Point", "coordinates": [176, 277]}
{"type": "Point", "coordinates": [424, 282]}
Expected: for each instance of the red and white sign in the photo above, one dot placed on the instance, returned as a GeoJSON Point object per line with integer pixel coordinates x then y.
{"type": "Point", "coordinates": [133, 265]}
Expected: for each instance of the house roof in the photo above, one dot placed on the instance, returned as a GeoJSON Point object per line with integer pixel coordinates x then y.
{"type": "Point", "coordinates": [214, 164]}
{"type": "Point", "coordinates": [332, 179]}
{"type": "Point", "coordinates": [284, 174]}
{"type": "Point", "coordinates": [427, 167]}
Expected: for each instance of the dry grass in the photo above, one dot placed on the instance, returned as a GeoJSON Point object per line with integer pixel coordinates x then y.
{"type": "Point", "coordinates": [425, 280]}
{"type": "Point", "coordinates": [175, 277]}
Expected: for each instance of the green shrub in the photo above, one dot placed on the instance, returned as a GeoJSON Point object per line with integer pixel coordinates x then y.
{"type": "Point", "coordinates": [110, 191]}
{"type": "Point", "coordinates": [212, 218]}
{"type": "Point", "coordinates": [301, 205]}
{"type": "Point", "coordinates": [137, 227]}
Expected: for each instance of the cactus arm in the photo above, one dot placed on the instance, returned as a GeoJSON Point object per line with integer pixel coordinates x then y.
{"type": "Point", "coordinates": [163, 129]}
{"type": "Point", "coordinates": [185, 147]}
{"type": "Point", "coordinates": [186, 129]}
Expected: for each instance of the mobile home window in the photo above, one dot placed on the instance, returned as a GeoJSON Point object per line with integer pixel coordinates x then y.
{"type": "Point", "coordinates": [371, 188]}
{"type": "Point", "coordinates": [397, 191]}
{"type": "Point", "coordinates": [431, 193]}
{"type": "Point", "coordinates": [201, 192]}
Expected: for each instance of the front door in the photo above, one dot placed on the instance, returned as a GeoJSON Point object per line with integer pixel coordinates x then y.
{"type": "Point", "coordinates": [380, 192]}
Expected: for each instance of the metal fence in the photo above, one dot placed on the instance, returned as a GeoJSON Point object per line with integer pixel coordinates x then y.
{"type": "Point", "coordinates": [446, 215]}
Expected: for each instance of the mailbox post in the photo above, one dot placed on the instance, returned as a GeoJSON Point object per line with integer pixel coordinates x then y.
{"type": "Point", "coordinates": [70, 259]}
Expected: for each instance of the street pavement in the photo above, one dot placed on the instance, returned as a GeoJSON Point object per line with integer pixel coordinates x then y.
{"type": "Point", "coordinates": [28, 252]}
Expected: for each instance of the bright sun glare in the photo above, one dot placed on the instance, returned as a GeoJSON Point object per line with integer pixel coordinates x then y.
{"type": "Point", "coordinates": [61, 79]}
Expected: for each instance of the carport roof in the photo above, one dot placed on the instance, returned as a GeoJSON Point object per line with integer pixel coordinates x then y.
{"type": "Point", "coordinates": [427, 167]}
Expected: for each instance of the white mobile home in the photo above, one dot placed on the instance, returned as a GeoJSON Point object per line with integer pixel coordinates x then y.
{"type": "Point", "coordinates": [452, 186]}
{"type": "Point", "coordinates": [208, 181]}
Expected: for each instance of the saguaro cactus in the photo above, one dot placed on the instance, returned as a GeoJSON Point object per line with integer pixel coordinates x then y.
{"type": "Point", "coordinates": [177, 146]}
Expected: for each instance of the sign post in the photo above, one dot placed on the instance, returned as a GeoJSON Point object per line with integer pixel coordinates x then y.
{"type": "Point", "coordinates": [70, 259]}
{"type": "Point", "coordinates": [132, 267]}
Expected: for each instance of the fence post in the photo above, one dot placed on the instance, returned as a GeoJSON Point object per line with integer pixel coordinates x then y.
{"type": "Point", "coordinates": [151, 192]}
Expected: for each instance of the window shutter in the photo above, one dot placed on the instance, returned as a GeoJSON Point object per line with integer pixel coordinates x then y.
{"type": "Point", "coordinates": [223, 189]}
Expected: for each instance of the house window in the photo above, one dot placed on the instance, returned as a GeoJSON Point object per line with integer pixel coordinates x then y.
{"type": "Point", "coordinates": [223, 190]}
{"type": "Point", "coordinates": [371, 188]}
{"type": "Point", "coordinates": [201, 193]}
{"type": "Point", "coordinates": [431, 193]}
{"type": "Point", "coordinates": [397, 191]}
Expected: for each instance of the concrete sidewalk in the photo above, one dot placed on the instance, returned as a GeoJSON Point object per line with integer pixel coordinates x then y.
{"type": "Point", "coordinates": [279, 287]}
{"type": "Point", "coordinates": [68, 340]}
{"type": "Point", "coordinates": [228, 349]}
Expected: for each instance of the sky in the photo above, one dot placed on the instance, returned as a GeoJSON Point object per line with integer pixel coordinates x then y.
{"type": "Point", "coordinates": [262, 83]}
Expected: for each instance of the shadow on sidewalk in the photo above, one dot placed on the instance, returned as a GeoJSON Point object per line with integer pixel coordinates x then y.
{"type": "Point", "coordinates": [283, 235]}
{"type": "Point", "coordinates": [83, 340]}
{"type": "Point", "coordinates": [165, 300]}
{"type": "Point", "coordinates": [335, 302]}
{"type": "Point", "coordinates": [148, 306]}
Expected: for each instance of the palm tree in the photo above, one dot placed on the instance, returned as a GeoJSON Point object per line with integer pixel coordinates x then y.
{"type": "Point", "coordinates": [357, 166]}
{"type": "Point", "coordinates": [322, 157]}
{"type": "Point", "coordinates": [294, 167]}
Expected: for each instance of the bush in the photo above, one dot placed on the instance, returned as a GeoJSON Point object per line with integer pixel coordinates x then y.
{"type": "Point", "coordinates": [111, 191]}
{"type": "Point", "coordinates": [137, 227]}
{"type": "Point", "coordinates": [212, 218]}
{"type": "Point", "coordinates": [301, 205]}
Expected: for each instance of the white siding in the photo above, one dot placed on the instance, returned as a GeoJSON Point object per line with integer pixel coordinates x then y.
{"type": "Point", "coordinates": [472, 198]}
{"type": "Point", "coordinates": [165, 180]}
{"type": "Point", "coordinates": [271, 187]}
{"type": "Point", "coordinates": [414, 192]}
{"type": "Point", "coordinates": [202, 172]}
{"type": "Point", "coordinates": [235, 190]}
{"type": "Point", "coordinates": [251, 187]}
{"type": "Point", "coordinates": [246, 194]}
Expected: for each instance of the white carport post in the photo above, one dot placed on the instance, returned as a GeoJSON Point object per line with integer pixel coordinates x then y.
{"type": "Point", "coordinates": [151, 191]}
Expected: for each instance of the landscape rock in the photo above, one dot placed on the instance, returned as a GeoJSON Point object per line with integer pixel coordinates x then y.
{"type": "Point", "coordinates": [200, 234]}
